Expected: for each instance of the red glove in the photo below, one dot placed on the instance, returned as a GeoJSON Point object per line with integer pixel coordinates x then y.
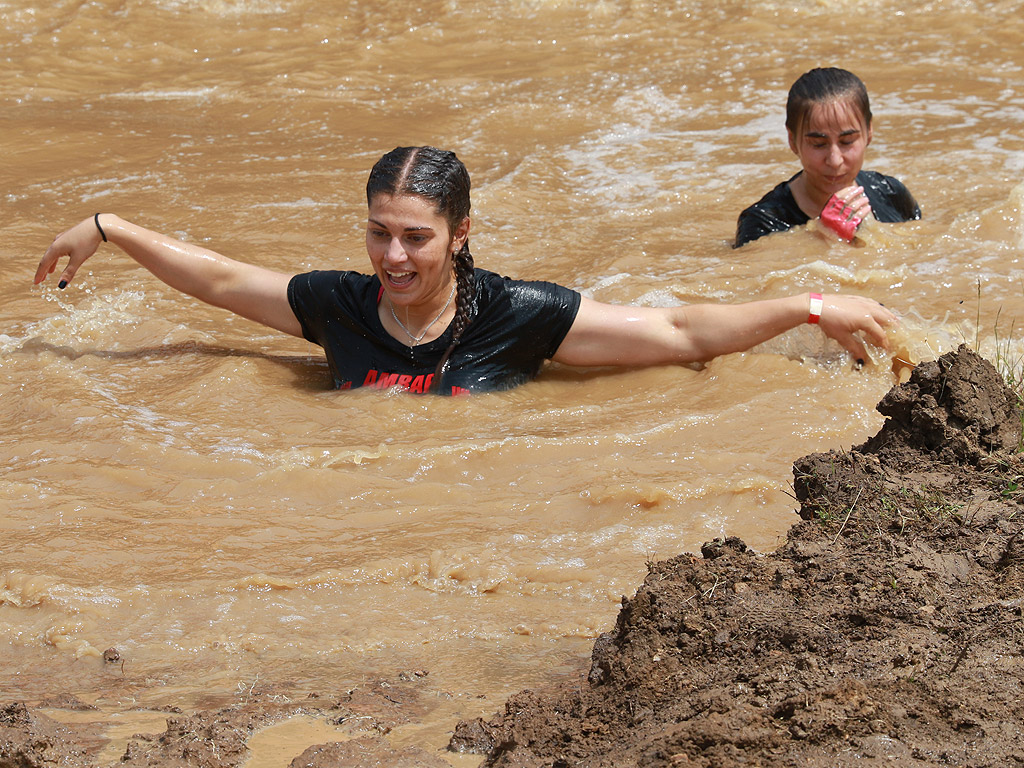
{"type": "Point", "coordinates": [840, 217]}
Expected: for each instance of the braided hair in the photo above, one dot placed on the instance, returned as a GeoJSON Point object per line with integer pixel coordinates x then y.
{"type": "Point", "coordinates": [439, 176]}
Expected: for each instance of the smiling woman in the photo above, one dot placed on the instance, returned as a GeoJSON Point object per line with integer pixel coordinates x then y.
{"type": "Point", "coordinates": [428, 320]}
{"type": "Point", "coordinates": [828, 118]}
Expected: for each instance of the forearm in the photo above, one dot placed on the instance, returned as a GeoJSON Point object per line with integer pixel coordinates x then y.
{"type": "Point", "coordinates": [610, 334]}
{"type": "Point", "coordinates": [253, 292]}
{"type": "Point", "coordinates": [192, 269]}
{"type": "Point", "coordinates": [706, 331]}
{"type": "Point", "coordinates": [712, 330]}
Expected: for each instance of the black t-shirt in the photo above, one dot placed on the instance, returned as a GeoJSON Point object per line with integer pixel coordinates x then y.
{"type": "Point", "coordinates": [515, 327]}
{"type": "Point", "coordinates": [778, 211]}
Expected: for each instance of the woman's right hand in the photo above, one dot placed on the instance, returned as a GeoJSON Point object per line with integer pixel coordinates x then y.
{"type": "Point", "coordinates": [78, 244]}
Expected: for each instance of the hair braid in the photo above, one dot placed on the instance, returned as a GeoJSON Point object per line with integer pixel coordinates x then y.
{"type": "Point", "coordinates": [465, 299]}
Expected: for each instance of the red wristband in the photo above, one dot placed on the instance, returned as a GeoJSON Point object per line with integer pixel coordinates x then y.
{"type": "Point", "coordinates": [816, 303]}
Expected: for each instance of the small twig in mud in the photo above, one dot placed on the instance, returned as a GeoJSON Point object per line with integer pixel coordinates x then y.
{"type": "Point", "coordinates": [242, 687]}
{"type": "Point", "coordinates": [970, 639]}
{"type": "Point", "coordinates": [852, 507]}
{"type": "Point", "coordinates": [711, 591]}
{"type": "Point", "coordinates": [963, 651]}
{"type": "Point", "coordinates": [1009, 551]}
{"type": "Point", "coordinates": [344, 719]}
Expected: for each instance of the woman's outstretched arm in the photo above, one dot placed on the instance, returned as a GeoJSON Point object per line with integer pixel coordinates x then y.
{"type": "Point", "coordinates": [610, 334]}
{"type": "Point", "coordinates": [253, 292]}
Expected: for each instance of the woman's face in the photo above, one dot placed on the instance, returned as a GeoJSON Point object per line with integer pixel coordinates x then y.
{"type": "Point", "coordinates": [411, 249]}
{"type": "Point", "coordinates": [831, 147]}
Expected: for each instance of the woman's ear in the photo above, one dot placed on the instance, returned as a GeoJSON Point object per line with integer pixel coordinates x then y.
{"type": "Point", "coordinates": [792, 143]}
{"type": "Point", "coordinates": [461, 234]}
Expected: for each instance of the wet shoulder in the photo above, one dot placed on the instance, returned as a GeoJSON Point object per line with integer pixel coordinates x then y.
{"type": "Point", "coordinates": [776, 211]}
{"type": "Point", "coordinates": [890, 199]}
{"type": "Point", "coordinates": [519, 294]}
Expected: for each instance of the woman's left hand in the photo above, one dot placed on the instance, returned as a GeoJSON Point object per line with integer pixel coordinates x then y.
{"type": "Point", "coordinates": [844, 317]}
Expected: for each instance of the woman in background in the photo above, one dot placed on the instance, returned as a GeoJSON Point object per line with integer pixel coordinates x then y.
{"type": "Point", "coordinates": [828, 119]}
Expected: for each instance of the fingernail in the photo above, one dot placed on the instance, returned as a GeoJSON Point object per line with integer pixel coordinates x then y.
{"type": "Point", "coordinates": [62, 284]}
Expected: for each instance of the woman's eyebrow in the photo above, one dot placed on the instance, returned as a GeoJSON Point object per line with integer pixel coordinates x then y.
{"type": "Point", "coordinates": [418, 228]}
{"type": "Point", "coordinates": [823, 135]}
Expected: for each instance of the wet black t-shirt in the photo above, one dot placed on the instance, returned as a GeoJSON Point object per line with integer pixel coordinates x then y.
{"type": "Point", "coordinates": [515, 327]}
{"type": "Point", "coordinates": [778, 211]}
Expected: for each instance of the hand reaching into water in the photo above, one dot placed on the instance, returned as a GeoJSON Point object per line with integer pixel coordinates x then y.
{"type": "Point", "coordinates": [844, 317]}
{"type": "Point", "coordinates": [78, 244]}
{"type": "Point", "coordinates": [845, 210]}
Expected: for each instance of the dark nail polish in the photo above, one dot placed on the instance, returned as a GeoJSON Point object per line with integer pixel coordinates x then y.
{"type": "Point", "coordinates": [62, 284]}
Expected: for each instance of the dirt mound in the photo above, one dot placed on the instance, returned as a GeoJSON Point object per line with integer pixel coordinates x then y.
{"type": "Point", "coordinates": [887, 629]}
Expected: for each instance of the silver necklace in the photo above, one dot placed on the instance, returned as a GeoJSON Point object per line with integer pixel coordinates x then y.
{"type": "Point", "coordinates": [418, 339]}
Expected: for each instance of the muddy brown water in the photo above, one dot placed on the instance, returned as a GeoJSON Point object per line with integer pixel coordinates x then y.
{"type": "Point", "coordinates": [180, 485]}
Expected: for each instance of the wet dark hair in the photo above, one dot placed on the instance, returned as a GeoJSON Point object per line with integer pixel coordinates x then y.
{"type": "Point", "coordinates": [439, 176]}
{"type": "Point", "coordinates": [820, 86]}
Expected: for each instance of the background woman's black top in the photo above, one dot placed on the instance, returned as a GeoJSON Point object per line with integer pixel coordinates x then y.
{"type": "Point", "coordinates": [778, 211]}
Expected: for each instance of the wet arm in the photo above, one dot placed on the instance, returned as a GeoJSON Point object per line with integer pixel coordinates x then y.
{"type": "Point", "coordinates": [250, 291]}
{"type": "Point", "coordinates": [607, 334]}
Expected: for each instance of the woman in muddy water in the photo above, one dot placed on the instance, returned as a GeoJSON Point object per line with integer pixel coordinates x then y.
{"type": "Point", "coordinates": [828, 119]}
{"type": "Point", "coordinates": [427, 320]}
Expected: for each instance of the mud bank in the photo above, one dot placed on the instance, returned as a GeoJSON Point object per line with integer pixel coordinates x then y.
{"type": "Point", "coordinates": [888, 629]}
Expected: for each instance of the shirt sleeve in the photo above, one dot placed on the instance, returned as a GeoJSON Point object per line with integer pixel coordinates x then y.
{"type": "Point", "coordinates": [777, 211]}
{"type": "Point", "coordinates": [752, 224]}
{"type": "Point", "coordinates": [301, 297]}
{"type": "Point", "coordinates": [519, 323]}
{"type": "Point", "coordinates": [545, 312]}
{"type": "Point", "coordinates": [325, 297]}
{"type": "Point", "coordinates": [903, 201]}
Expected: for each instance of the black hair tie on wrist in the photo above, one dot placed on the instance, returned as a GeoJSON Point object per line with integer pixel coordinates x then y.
{"type": "Point", "coordinates": [96, 218]}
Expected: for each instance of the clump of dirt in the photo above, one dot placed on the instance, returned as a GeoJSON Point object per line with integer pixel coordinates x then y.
{"type": "Point", "coordinates": [955, 410]}
{"type": "Point", "coordinates": [888, 628]}
{"type": "Point", "coordinates": [29, 739]}
{"type": "Point", "coordinates": [365, 752]}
